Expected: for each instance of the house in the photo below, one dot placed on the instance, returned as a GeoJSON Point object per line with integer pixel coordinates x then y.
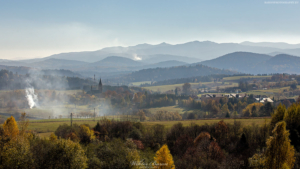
{"type": "Point", "coordinates": [263, 100]}
{"type": "Point", "coordinates": [219, 96]}
{"type": "Point", "coordinates": [238, 96]}
{"type": "Point", "coordinates": [211, 96]}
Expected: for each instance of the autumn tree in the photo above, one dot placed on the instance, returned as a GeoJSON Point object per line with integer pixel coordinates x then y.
{"type": "Point", "coordinates": [221, 131]}
{"type": "Point", "coordinates": [10, 127]}
{"type": "Point", "coordinates": [23, 123]}
{"type": "Point", "coordinates": [66, 154]}
{"type": "Point", "coordinates": [186, 88]}
{"type": "Point", "coordinates": [16, 154]}
{"type": "Point", "coordinates": [85, 134]}
{"type": "Point", "coordinates": [279, 152]}
{"type": "Point", "coordinates": [215, 152]}
{"type": "Point", "coordinates": [52, 137]}
{"type": "Point", "coordinates": [252, 108]}
{"type": "Point", "coordinates": [225, 109]}
{"type": "Point", "coordinates": [254, 111]}
{"type": "Point", "coordinates": [142, 115]}
{"type": "Point", "coordinates": [163, 158]}
{"type": "Point", "coordinates": [278, 115]}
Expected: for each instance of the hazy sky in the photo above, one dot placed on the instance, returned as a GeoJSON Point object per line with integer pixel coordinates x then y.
{"type": "Point", "coordinates": [31, 29]}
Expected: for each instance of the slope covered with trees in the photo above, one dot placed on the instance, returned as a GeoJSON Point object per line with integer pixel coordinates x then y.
{"type": "Point", "coordinates": [160, 74]}
{"type": "Point", "coordinates": [255, 63]}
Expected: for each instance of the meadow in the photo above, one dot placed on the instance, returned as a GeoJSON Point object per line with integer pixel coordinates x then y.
{"type": "Point", "coordinates": [169, 108]}
{"type": "Point", "coordinates": [165, 88]}
{"type": "Point", "coordinates": [139, 83]}
{"type": "Point", "coordinates": [243, 77]}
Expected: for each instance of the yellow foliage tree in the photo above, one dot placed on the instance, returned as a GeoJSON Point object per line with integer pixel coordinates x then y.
{"type": "Point", "coordinates": [279, 153]}
{"type": "Point", "coordinates": [16, 154]}
{"type": "Point", "coordinates": [248, 110]}
{"type": "Point", "coordinates": [133, 157]}
{"type": "Point", "coordinates": [53, 137]}
{"type": "Point", "coordinates": [23, 124]}
{"type": "Point", "coordinates": [85, 134]}
{"type": "Point", "coordinates": [164, 159]}
{"type": "Point", "coordinates": [278, 115]}
{"type": "Point", "coordinates": [10, 127]}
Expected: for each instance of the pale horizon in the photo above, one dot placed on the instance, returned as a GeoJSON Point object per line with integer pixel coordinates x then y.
{"type": "Point", "coordinates": [35, 29]}
{"type": "Point", "coordinates": [50, 53]}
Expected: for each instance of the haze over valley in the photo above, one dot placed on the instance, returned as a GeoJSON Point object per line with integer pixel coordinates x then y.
{"type": "Point", "coordinates": [117, 62]}
{"type": "Point", "coordinates": [149, 84]}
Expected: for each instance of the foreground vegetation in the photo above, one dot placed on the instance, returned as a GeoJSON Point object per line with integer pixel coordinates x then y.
{"type": "Point", "coordinates": [229, 143]}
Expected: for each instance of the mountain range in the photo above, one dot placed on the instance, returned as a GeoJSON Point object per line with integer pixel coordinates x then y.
{"type": "Point", "coordinates": [115, 62]}
{"type": "Point", "coordinates": [204, 50]}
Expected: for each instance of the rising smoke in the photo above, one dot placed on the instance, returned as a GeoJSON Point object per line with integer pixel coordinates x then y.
{"type": "Point", "coordinates": [136, 57]}
{"type": "Point", "coordinates": [31, 97]}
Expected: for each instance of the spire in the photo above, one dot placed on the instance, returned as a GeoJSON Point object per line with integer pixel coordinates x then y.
{"type": "Point", "coordinates": [100, 83]}
{"type": "Point", "coordinates": [100, 86]}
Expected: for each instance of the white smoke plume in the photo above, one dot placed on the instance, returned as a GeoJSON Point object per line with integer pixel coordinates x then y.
{"type": "Point", "coordinates": [31, 97]}
{"type": "Point", "coordinates": [136, 57]}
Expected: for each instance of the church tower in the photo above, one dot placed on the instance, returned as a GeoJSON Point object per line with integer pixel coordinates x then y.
{"type": "Point", "coordinates": [100, 86]}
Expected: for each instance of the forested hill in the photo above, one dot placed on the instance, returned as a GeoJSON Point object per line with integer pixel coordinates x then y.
{"type": "Point", "coordinates": [255, 63]}
{"type": "Point", "coordinates": [160, 74]}
{"type": "Point", "coordinates": [238, 61]}
{"type": "Point", "coordinates": [22, 70]}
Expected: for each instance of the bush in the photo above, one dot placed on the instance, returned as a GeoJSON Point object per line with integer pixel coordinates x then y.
{"type": "Point", "coordinates": [135, 134]}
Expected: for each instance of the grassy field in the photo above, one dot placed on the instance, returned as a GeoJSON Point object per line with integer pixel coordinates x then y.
{"type": "Point", "coordinates": [139, 83]}
{"type": "Point", "coordinates": [245, 122]}
{"type": "Point", "coordinates": [271, 92]}
{"type": "Point", "coordinates": [164, 88]}
{"type": "Point", "coordinates": [168, 108]}
{"type": "Point", "coordinates": [243, 77]}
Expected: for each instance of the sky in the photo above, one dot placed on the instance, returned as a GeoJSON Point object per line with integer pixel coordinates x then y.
{"type": "Point", "coordinates": [34, 29]}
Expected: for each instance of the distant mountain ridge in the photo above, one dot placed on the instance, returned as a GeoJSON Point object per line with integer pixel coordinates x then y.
{"type": "Point", "coordinates": [115, 61]}
{"type": "Point", "coordinates": [254, 63]}
{"type": "Point", "coordinates": [238, 61]}
{"type": "Point", "coordinates": [279, 45]}
{"type": "Point", "coordinates": [204, 50]}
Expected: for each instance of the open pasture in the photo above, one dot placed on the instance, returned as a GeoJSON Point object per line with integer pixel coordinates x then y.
{"type": "Point", "coordinates": [169, 109]}
{"type": "Point", "coordinates": [212, 85]}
